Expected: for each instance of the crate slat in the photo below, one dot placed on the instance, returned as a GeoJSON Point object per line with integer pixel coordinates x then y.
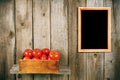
{"type": "Point", "coordinates": [38, 66]}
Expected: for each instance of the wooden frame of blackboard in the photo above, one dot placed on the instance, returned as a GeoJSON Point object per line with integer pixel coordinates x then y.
{"type": "Point", "coordinates": [80, 35]}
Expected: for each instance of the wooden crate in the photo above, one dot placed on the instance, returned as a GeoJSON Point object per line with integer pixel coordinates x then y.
{"type": "Point", "coordinates": [39, 66]}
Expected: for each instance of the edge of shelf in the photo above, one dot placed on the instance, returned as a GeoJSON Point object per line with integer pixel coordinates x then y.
{"type": "Point", "coordinates": [15, 70]}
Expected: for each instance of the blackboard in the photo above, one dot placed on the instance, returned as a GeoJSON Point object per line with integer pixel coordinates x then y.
{"type": "Point", "coordinates": [94, 29]}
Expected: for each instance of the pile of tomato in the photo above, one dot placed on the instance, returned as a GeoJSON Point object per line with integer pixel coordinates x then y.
{"type": "Point", "coordinates": [41, 54]}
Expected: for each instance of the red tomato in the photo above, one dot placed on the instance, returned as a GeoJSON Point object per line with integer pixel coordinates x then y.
{"type": "Point", "coordinates": [54, 55]}
{"type": "Point", "coordinates": [37, 53]}
{"type": "Point", "coordinates": [43, 57]}
{"type": "Point", "coordinates": [49, 58]}
{"type": "Point", "coordinates": [46, 51]}
{"type": "Point", "coordinates": [37, 49]}
{"type": "Point", "coordinates": [28, 53]}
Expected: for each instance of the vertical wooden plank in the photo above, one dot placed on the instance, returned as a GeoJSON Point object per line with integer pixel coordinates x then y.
{"type": "Point", "coordinates": [112, 60]}
{"type": "Point", "coordinates": [116, 8]}
{"type": "Point", "coordinates": [7, 38]}
{"type": "Point", "coordinates": [59, 33]}
{"type": "Point", "coordinates": [95, 61]}
{"type": "Point", "coordinates": [23, 29]}
{"type": "Point", "coordinates": [77, 61]}
{"type": "Point", "coordinates": [59, 28]}
{"type": "Point", "coordinates": [95, 66]}
{"type": "Point", "coordinates": [94, 3]}
{"type": "Point", "coordinates": [109, 58]}
{"type": "Point", "coordinates": [41, 12]}
{"type": "Point", "coordinates": [41, 20]}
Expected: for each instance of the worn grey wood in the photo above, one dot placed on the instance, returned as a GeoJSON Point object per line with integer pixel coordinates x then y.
{"type": "Point", "coordinates": [23, 18]}
{"type": "Point", "coordinates": [53, 24]}
{"type": "Point", "coordinates": [95, 61]}
{"type": "Point", "coordinates": [109, 58]}
{"type": "Point", "coordinates": [41, 21]}
{"type": "Point", "coordinates": [77, 61]}
{"type": "Point", "coordinates": [7, 38]}
{"type": "Point", "coordinates": [94, 3]}
{"type": "Point", "coordinates": [41, 24]}
{"type": "Point", "coordinates": [59, 33]}
{"type": "Point", "coordinates": [116, 8]}
{"type": "Point", "coordinates": [114, 58]}
{"type": "Point", "coordinates": [95, 66]}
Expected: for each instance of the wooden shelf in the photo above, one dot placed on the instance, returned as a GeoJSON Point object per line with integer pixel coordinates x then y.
{"type": "Point", "coordinates": [63, 70]}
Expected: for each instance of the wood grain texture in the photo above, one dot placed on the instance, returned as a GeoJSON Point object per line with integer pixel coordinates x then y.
{"type": "Point", "coordinates": [7, 38]}
{"type": "Point", "coordinates": [115, 57]}
{"type": "Point", "coordinates": [77, 61]}
{"type": "Point", "coordinates": [109, 58]}
{"type": "Point", "coordinates": [41, 24]}
{"type": "Point", "coordinates": [59, 33]}
{"type": "Point", "coordinates": [53, 24]}
{"type": "Point", "coordinates": [95, 66]}
{"type": "Point", "coordinates": [38, 66]}
{"type": "Point", "coordinates": [23, 29]}
{"type": "Point", "coordinates": [94, 3]}
{"type": "Point", "coordinates": [41, 19]}
{"type": "Point", "coordinates": [59, 28]}
{"type": "Point", "coordinates": [95, 61]}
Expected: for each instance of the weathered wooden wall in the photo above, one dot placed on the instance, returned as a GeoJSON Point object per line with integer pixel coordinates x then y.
{"type": "Point", "coordinates": [53, 24]}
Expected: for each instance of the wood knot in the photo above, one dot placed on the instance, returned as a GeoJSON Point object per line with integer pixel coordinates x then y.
{"type": "Point", "coordinates": [95, 55]}
{"type": "Point", "coordinates": [11, 35]}
{"type": "Point", "coordinates": [22, 24]}
{"type": "Point", "coordinates": [43, 14]}
{"type": "Point", "coordinates": [108, 78]}
{"type": "Point", "coordinates": [95, 58]}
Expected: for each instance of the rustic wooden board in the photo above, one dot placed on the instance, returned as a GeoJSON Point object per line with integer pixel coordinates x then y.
{"type": "Point", "coordinates": [41, 21]}
{"type": "Point", "coordinates": [41, 24]}
{"type": "Point", "coordinates": [7, 38]}
{"type": "Point", "coordinates": [59, 22]}
{"type": "Point", "coordinates": [77, 61]}
{"type": "Point", "coordinates": [113, 59]}
{"type": "Point", "coordinates": [59, 33]}
{"type": "Point", "coordinates": [116, 12]}
{"type": "Point", "coordinates": [109, 58]}
{"type": "Point", "coordinates": [95, 66]}
{"type": "Point", "coordinates": [95, 61]}
{"type": "Point", "coordinates": [94, 3]}
{"type": "Point", "coordinates": [23, 18]}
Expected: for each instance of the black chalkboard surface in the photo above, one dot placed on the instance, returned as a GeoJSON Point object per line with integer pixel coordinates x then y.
{"type": "Point", "coordinates": [94, 29]}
